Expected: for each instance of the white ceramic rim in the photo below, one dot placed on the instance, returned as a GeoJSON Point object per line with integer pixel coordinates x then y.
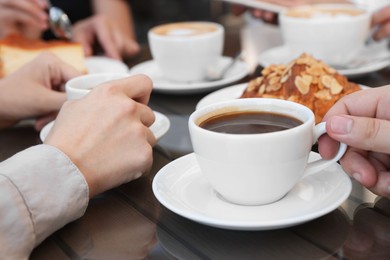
{"type": "Point", "coordinates": [85, 87]}
{"type": "Point", "coordinates": [301, 112]}
{"type": "Point", "coordinates": [220, 29]}
{"type": "Point", "coordinates": [365, 15]}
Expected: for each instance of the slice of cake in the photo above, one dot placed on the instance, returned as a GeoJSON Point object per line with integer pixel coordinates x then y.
{"type": "Point", "coordinates": [15, 51]}
{"type": "Point", "coordinates": [304, 80]}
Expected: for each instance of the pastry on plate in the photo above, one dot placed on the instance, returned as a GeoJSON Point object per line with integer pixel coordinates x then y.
{"type": "Point", "coordinates": [304, 80]}
{"type": "Point", "coordinates": [15, 51]}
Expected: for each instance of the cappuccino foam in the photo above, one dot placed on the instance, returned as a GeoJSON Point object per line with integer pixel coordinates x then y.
{"type": "Point", "coordinates": [184, 29]}
{"type": "Point", "coordinates": [319, 13]}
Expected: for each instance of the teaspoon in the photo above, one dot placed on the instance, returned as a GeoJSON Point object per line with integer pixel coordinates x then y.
{"type": "Point", "coordinates": [213, 74]}
{"type": "Point", "coordinates": [59, 22]}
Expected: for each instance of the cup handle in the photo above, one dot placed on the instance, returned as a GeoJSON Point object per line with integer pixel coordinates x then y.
{"type": "Point", "coordinates": [320, 164]}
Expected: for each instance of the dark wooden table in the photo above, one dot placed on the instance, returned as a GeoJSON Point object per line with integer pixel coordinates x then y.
{"type": "Point", "coordinates": [129, 223]}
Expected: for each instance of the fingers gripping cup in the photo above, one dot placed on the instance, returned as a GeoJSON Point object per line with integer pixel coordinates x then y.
{"type": "Point", "coordinates": [253, 151]}
{"type": "Point", "coordinates": [78, 87]}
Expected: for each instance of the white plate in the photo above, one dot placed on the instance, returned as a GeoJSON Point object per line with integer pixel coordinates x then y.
{"type": "Point", "coordinates": [258, 4]}
{"type": "Point", "coordinates": [159, 127]}
{"type": "Point", "coordinates": [228, 93]}
{"type": "Point", "coordinates": [281, 55]}
{"type": "Point", "coordinates": [162, 85]}
{"type": "Point", "coordinates": [98, 64]}
{"type": "Point", "coordinates": [181, 187]}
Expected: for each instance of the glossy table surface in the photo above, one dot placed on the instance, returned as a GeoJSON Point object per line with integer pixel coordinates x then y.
{"type": "Point", "coordinates": [129, 223]}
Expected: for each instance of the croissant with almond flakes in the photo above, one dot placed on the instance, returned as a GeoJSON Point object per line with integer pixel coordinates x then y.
{"type": "Point", "coordinates": [304, 80]}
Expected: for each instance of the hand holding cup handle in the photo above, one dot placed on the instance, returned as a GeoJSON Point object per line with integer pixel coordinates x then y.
{"type": "Point", "coordinates": [318, 165]}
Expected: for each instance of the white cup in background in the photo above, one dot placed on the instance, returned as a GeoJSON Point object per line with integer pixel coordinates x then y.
{"type": "Point", "coordinates": [185, 51]}
{"type": "Point", "coordinates": [333, 33]}
{"type": "Point", "coordinates": [256, 168]}
{"type": "Point", "coordinates": [78, 87]}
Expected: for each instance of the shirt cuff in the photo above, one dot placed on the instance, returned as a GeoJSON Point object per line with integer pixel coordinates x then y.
{"type": "Point", "coordinates": [53, 189]}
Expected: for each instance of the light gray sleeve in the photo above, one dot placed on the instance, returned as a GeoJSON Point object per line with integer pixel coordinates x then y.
{"type": "Point", "coordinates": [41, 190]}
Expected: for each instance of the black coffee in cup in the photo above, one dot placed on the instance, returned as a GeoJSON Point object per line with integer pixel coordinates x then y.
{"type": "Point", "coordinates": [249, 122]}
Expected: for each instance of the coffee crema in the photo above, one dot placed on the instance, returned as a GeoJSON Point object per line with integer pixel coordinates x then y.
{"type": "Point", "coordinates": [184, 29]}
{"type": "Point", "coordinates": [249, 122]}
{"type": "Point", "coordinates": [318, 12]}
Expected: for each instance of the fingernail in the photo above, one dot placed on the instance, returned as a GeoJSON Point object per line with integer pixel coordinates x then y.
{"type": "Point", "coordinates": [357, 176]}
{"type": "Point", "coordinates": [341, 125]}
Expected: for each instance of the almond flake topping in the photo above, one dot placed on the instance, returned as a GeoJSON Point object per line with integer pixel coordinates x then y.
{"type": "Point", "coordinates": [302, 84]}
{"type": "Point", "coordinates": [336, 88]}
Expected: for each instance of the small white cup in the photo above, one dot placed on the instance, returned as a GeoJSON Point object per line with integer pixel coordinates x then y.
{"type": "Point", "coordinates": [78, 87]}
{"type": "Point", "coordinates": [333, 33]}
{"type": "Point", "coordinates": [185, 51]}
{"type": "Point", "coordinates": [255, 169]}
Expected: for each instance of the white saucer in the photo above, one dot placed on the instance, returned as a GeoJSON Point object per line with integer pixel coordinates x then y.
{"type": "Point", "coordinates": [181, 187]}
{"type": "Point", "coordinates": [228, 93]}
{"type": "Point", "coordinates": [99, 64]}
{"type": "Point", "coordinates": [162, 85]}
{"type": "Point", "coordinates": [159, 128]}
{"type": "Point", "coordinates": [281, 55]}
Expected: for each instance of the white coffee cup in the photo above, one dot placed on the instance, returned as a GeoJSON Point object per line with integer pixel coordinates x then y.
{"type": "Point", "coordinates": [257, 168]}
{"type": "Point", "coordinates": [333, 33]}
{"type": "Point", "coordinates": [185, 51]}
{"type": "Point", "coordinates": [78, 87]}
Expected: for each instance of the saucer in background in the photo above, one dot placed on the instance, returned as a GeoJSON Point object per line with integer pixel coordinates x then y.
{"type": "Point", "coordinates": [162, 85]}
{"type": "Point", "coordinates": [281, 55]}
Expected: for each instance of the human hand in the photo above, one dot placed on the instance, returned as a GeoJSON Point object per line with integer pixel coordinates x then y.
{"type": "Point", "coordinates": [106, 134]}
{"type": "Point", "coordinates": [34, 90]}
{"type": "Point", "coordinates": [266, 16]}
{"type": "Point", "coordinates": [362, 121]}
{"type": "Point", "coordinates": [114, 42]}
{"type": "Point", "coordinates": [25, 17]}
{"type": "Point", "coordinates": [381, 20]}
